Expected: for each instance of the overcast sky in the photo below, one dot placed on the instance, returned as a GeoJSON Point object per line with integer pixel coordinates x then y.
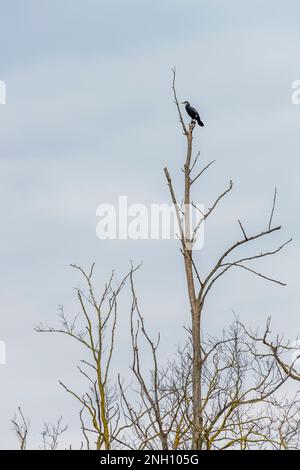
{"type": "Point", "coordinates": [89, 117]}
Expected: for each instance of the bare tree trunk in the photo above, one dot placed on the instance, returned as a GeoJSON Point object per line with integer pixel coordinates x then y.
{"type": "Point", "coordinates": [194, 303]}
{"type": "Point", "coordinates": [196, 379]}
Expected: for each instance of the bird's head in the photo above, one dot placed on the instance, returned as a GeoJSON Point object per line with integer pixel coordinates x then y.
{"type": "Point", "coordinates": [186, 103]}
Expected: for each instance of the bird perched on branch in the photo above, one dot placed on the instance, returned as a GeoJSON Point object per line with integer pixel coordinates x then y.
{"type": "Point", "coordinates": [193, 113]}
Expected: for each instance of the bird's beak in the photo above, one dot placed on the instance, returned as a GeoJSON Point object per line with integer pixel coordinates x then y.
{"type": "Point", "coordinates": [182, 102]}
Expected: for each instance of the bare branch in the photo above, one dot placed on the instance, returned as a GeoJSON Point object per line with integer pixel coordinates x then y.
{"type": "Point", "coordinates": [177, 103]}
{"type": "Point", "coordinates": [202, 171]}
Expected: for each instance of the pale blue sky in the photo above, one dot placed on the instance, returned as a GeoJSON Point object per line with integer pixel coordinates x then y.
{"type": "Point", "coordinates": [89, 117]}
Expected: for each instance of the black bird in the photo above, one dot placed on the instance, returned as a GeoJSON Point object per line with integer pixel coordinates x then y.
{"type": "Point", "coordinates": [193, 113]}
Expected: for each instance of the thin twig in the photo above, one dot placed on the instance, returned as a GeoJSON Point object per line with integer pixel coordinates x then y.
{"type": "Point", "coordinates": [273, 208]}
{"type": "Point", "coordinates": [242, 228]}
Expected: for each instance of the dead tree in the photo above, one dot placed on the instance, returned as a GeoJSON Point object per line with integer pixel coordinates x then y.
{"type": "Point", "coordinates": [243, 378]}
{"type": "Point", "coordinates": [21, 428]}
{"type": "Point", "coordinates": [161, 395]}
{"type": "Point", "coordinates": [51, 434]}
{"type": "Point", "coordinates": [95, 331]}
{"type": "Point", "coordinates": [199, 285]}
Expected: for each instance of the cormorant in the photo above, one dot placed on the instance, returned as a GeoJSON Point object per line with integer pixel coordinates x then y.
{"type": "Point", "coordinates": [193, 113]}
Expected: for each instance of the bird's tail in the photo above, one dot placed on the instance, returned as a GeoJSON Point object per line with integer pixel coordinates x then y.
{"type": "Point", "coordinates": [199, 121]}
